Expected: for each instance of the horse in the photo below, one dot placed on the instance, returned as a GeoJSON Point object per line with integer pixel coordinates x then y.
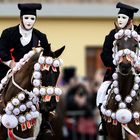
{"type": "Point", "coordinates": [121, 108]}
{"type": "Point", "coordinates": [49, 119]}
{"type": "Point", "coordinates": [21, 91]}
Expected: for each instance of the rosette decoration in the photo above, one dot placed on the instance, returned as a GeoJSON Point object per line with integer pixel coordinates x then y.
{"type": "Point", "coordinates": [123, 115]}
{"type": "Point", "coordinates": [17, 112]}
{"type": "Point", "coordinates": [44, 63]}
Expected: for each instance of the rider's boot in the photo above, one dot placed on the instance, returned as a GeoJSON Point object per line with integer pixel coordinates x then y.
{"type": "Point", "coordinates": [102, 130]}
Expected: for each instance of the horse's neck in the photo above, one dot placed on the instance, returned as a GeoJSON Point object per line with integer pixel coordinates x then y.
{"type": "Point", "coordinates": [125, 84]}
{"type": "Point", "coordinates": [23, 77]}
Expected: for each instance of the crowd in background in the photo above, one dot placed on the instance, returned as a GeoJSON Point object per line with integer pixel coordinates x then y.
{"type": "Point", "coordinates": [80, 114]}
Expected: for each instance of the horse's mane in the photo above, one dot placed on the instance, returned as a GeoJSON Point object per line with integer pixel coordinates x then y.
{"type": "Point", "coordinates": [24, 73]}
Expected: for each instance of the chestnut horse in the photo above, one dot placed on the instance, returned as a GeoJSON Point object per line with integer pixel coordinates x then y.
{"type": "Point", "coordinates": [23, 89]}
{"type": "Point", "coordinates": [121, 106]}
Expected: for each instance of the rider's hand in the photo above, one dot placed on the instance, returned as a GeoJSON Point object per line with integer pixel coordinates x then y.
{"type": "Point", "coordinates": [12, 64]}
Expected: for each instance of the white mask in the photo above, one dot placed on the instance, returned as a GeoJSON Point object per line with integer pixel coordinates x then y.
{"type": "Point", "coordinates": [122, 20]}
{"type": "Point", "coordinates": [28, 21]}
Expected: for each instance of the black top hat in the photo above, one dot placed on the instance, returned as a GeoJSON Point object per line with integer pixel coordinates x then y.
{"type": "Point", "coordinates": [126, 9]}
{"type": "Point", "coordinates": [29, 8]}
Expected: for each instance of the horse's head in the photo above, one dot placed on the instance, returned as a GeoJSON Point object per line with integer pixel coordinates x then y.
{"type": "Point", "coordinates": [123, 94]}
{"type": "Point", "coordinates": [125, 50]}
{"type": "Point", "coordinates": [49, 65]}
{"type": "Point", "coordinates": [35, 75]}
{"type": "Point", "coordinates": [51, 69]}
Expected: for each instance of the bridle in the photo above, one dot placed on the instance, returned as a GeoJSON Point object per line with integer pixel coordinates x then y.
{"type": "Point", "coordinates": [129, 55]}
{"type": "Point", "coordinates": [123, 114]}
{"type": "Point", "coordinates": [12, 116]}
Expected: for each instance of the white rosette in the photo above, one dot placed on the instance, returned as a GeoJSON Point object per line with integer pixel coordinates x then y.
{"type": "Point", "coordinates": [50, 90]}
{"type": "Point", "coordinates": [4, 80]}
{"type": "Point", "coordinates": [9, 121]}
{"type": "Point", "coordinates": [103, 110]}
{"type": "Point", "coordinates": [36, 82]}
{"type": "Point", "coordinates": [49, 60]}
{"type": "Point", "coordinates": [22, 119]}
{"type": "Point", "coordinates": [35, 100]}
{"type": "Point", "coordinates": [21, 96]}
{"type": "Point", "coordinates": [127, 33]}
{"type": "Point", "coordinates": [108, 113]}
{"type": "Point", "coordinates": [57, 91]}
{"type": "Point", "coordinates": [136, 87]}
{"type": "Point", "coordinates": [122, 105]}
{"type": "Point", "coordinates": [41, 60]}
{"type": "Point", "coordinates": [120, 32]}
{"type": "Point", "coordinates": [127, 51]}
{"type": "Point", "coordinates": [128, 99]}
{"type": "Point", "coordinates": [115, 76]}
{"type": "Point", "coordinates": [136, 115]}
{"type": "Point", "coordinates": [28, 116]}
{"type": "Point", "coordinates": [22, 107]}
{"type": "Point", "coordinates": [33, 108]}
{"type": "Point", "coordinates": [29, 104]}
{"type": "Point", "coordinates": [116, 36]}
{"type": "Point", "coordinates": [37, 67]}
{"type": "Point", "coordinates": [113, 116]}
{"type": "Point", "coordinates": [123, 116]}
{"type": "Point", "coordinates": [135, 34]}
{"type": "Point", "coordinates": [133, 93]}
{"type": "Point", "coordinates": [8, 112]}
{"type": "Point", "coordinates": [10, 106]}
{"type": "Point", "coordinates": [116, 90]}
{"type": "Point", "coordinates": [36, 91]}
{"type": "Point", "coordinates": [118, 98]}
{"type": "Point", "coordinates": [115, 83]}
{"type": "Point", "coordinates": [42, 91]}
{"type": "Point", "coordinates": [56, 63]}
{"type": "Point", "coordinates": [37, 74]}
{"type": "Point", "coordinates": [15, 101]}
{"type": "Point", "coordinates": [16, 111]}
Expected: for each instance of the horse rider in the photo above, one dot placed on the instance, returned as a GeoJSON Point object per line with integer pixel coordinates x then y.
{"type": "Point", "coordinates": [124, 20]}
{"type": "Point", "coordinates": [20, 39]}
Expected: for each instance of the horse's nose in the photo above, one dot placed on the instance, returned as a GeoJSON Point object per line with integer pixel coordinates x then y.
{"type": "Point", "coordinates": [125, 67]}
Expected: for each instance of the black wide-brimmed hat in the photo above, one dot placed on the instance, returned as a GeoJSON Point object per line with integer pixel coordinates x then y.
{"type": "Point", "coordinates": [126, 9]}
{"type": "Point", "coordinates": [29, 8]}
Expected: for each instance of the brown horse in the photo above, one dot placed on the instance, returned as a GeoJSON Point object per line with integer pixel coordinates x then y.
{"type": "Point", "coordinates": [19, 102]}
{"type": "Point", "coordinates": [121, 106]}
{"type": "Point", "coordinates": [49, 119]}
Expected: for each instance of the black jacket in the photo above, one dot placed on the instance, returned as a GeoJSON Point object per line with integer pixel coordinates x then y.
{"type": "Point", "coordinates": [106, 54]}
{"type": "Point", "coordinates": [10, 39]}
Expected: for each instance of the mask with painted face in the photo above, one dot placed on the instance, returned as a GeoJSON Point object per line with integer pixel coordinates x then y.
{"type": "Point", "coordinates": [28, 21]}
{"type": "Point", "coordinates": [122, 20]}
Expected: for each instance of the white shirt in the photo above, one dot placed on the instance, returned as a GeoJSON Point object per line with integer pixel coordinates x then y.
{"type": "Point", "coordinates": [26, 36]}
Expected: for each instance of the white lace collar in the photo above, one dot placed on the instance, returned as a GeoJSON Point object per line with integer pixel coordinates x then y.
{"type": "Point", "coordinates": [26, 35]}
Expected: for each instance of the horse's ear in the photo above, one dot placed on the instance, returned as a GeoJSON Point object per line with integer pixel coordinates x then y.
{"type": "Point", "coordinates": [47, 52]}
{"type": "Point", "coordinates": [116, 27]}
{"type": "Point", "coordinates": [58, 52]}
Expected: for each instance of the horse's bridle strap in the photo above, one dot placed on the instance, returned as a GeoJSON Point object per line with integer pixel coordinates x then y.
{"type": "Point", "coordinates": [130, 132]}
{"type": "Point", "coordinates": [10, 134]}
{"type": "Point", "coordinates": [14, 137]}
